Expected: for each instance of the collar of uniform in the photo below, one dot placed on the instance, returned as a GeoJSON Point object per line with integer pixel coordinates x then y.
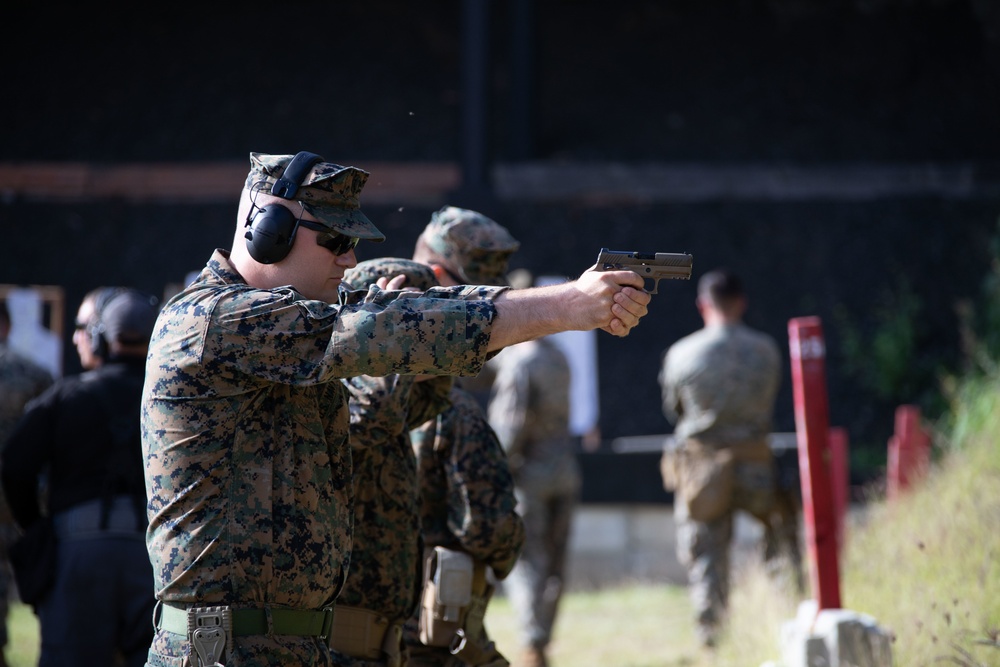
{"type": "Point", "coordinates": [220, 266]}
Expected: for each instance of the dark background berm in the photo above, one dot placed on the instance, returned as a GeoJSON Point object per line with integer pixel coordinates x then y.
{"type": "Point", "coordinates": [828, 84]}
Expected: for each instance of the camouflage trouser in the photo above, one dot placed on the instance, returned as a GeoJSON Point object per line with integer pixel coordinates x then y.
{"type": "Point", "coordinates": [703, 547]}
{"type": "Point", "coordinates": [535, 585]}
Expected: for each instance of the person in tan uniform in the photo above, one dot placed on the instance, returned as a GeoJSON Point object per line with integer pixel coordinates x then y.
{"type": "Point", "coordinates": [529, 410]}
{"type": "Point", "coordinates": [469, 522]}
{"type": "Point", "coordinates": [719, 386]}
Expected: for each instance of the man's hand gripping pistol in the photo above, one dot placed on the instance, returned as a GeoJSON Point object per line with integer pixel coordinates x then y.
{"type": "Point", "coordinates": [655, 265]}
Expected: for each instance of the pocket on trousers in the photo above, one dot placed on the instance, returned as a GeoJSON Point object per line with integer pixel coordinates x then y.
{"type": "Point", "coordinates": [755, 488]}
{"type": "Point", "coordinates": [706, 483]}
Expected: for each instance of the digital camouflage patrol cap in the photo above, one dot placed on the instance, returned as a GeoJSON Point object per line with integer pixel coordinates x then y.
{"type": "Point", "coordinates": [364, 275]}
{"type": "Point", "coordinates": [330, 192]}
{"type": "Point", "coordinates": [477, 248]}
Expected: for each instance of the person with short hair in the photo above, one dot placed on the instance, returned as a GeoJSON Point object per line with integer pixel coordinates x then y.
{"type": "Point", "coordinates": [246, 422]}
{"type": "Point", "coordinates": [719, 386]}
{"type": "Point", "coordinates": [81, 437]}
{"type": "Point", "coordinates": [529, 408]}
{"type": "Point", "coordinates": [467, 493]}
{"type": "Point", "coordinates": [382, 587]}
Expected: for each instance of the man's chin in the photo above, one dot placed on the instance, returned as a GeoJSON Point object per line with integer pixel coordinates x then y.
{"type": "Point", "coordinates": [331, 291]}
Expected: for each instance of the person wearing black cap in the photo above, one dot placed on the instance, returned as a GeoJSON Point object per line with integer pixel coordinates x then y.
{"type": "Point", "coordinates": [81, 438]}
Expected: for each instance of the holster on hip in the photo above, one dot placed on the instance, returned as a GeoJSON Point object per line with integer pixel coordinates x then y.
{"type": "Point", "coordinates": [453, 606]}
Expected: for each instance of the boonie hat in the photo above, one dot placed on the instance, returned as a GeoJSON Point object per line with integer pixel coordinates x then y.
{"type": "Point", "coordinates": [129, 317]}
{"type": "Point", "coordinates": [477, 247]}
{"type": "Point", "coordinates": [330, 192]}
{"type": "Point", "coordinates": [367, 272]}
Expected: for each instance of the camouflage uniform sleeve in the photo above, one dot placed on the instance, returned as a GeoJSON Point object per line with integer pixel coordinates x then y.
{"type": "Point", "coordinates": [378, 408]}
{"type": "Point", "coordinates": [481, 503]}
{"type": "Point", "coordinates": [277, 336]}
{"type": "Point", "coordinates": [384, 407]}
{"type": "Point", "coordinates": [445, 332]}
{"type": "Point", "coordinates": [428, 399]}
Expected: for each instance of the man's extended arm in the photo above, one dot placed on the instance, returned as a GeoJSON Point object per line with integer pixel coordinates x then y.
{"type": "Point", "coordinates": [613, 301]}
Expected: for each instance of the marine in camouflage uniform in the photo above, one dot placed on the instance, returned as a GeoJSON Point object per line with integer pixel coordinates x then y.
{"type": "Point", "coordinates": [529, 410]}
{"type": "Point", "coordinates": [467, 504]}
{"type": "Point", "coordinates": [383, 583]}
{"type": "Point", "coordinates": [245, 428]}
{"type": "Point", "coordinates": [21, 380]}
{"type": "Point", "coordinates": [719, 386]}
{"type": "Point", "coordinates": [466, 488]}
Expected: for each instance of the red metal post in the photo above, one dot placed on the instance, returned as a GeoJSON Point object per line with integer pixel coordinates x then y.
{"type": "Point", "coordinates": [812, 425]}
{"type": "Point", "coordinates": [909, 451]}
{"type": "Point", "coordinates": [841, 480]}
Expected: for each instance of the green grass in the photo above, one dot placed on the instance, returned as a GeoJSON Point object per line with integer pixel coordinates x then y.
{"type": "Point", "coordinates": [22, 641]}
{"type": "Point", "coordinates": [638, 625]}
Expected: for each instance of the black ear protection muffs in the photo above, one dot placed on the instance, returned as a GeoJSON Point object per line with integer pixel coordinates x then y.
{"type": "Point", "coordinates": [272, 228]}
{"type": "Point", "coordinates": [95, 327]}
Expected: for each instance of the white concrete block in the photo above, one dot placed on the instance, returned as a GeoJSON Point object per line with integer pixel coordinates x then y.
{"type": "Point", "coordinates": [834, 638]}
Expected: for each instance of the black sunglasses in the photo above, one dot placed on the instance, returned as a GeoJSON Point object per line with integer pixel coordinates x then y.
{"type": "Point", "coordinates": [335, 242]}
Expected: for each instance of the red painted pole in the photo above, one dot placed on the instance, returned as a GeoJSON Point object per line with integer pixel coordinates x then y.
{"type": "Point", "coordinates": [841, 480]}
{"type": "Point", "coordinates": [812, 426]}
{"type": "Point", "coordinates": [909, 452]}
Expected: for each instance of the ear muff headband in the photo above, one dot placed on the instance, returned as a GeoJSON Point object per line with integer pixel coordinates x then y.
{"type": "Point", "coordinates": [272, 228]}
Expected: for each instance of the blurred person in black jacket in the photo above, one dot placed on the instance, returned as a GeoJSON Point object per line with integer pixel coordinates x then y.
{"type": "Point", "coordinates": [79, 443]}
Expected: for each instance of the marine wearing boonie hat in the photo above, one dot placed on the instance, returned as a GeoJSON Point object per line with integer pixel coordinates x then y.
{"type": "Point", "coordinates": [477, 248]}
{"type": "Point", "coordinates": [330, 192]}
{"type": "Point", "coordinates": [367, 272]}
